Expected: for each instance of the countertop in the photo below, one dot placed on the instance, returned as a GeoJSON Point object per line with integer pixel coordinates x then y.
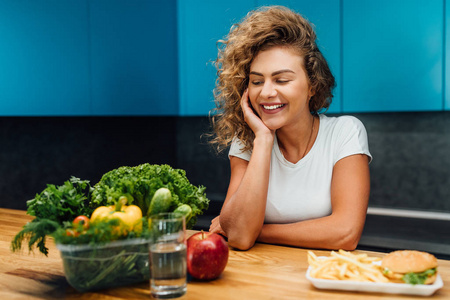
{"type": "Point", "coordinates": [263, 272]}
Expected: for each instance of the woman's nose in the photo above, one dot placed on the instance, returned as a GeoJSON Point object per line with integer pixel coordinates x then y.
{"type": "Point", "coordinates": [268, 90]}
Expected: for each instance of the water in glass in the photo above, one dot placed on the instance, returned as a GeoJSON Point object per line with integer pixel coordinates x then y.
{"type": "Point", "coordinates": [168, 269]}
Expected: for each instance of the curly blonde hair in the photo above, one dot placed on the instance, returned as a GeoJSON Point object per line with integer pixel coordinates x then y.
{"type": "Point", "coordinates": [260, 30]}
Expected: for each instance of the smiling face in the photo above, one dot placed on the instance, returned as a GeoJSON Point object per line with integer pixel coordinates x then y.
{"type": "Point", "coordinates": [279, 88]}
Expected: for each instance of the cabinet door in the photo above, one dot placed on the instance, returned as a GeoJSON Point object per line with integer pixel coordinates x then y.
{"type": "Point", "coordinates": [200, 25]}
{"type": "Point", "coordinates": [392, 55]}
{"type": "Point", "coordinates": [44, 58]}
{"type": "Point", "coordinates": [325, 16]}
{"type": "Point", "coordinates": [134, 57]}
{"type": "Point", "coordinates": [447, 56]}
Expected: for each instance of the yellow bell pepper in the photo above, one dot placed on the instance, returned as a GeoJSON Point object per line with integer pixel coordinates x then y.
{"type": "Point", "coordinates": [130, 216]}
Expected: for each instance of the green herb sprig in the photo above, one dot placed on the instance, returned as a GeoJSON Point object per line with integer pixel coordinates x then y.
{"type": "Point", "coordinates": [51, 208]}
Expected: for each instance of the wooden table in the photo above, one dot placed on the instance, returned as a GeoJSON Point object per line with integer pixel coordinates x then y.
{"type": "Point", "coordinates": [263, 272]}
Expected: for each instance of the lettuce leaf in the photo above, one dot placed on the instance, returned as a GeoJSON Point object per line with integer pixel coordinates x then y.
{"type": "Point", "coordinates": [418, 278]}
{"type": "Point", "coordinates": [139, 184]}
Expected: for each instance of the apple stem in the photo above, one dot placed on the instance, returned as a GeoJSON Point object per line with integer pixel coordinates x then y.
{"type": "Point", "coordinates": [203, 235]}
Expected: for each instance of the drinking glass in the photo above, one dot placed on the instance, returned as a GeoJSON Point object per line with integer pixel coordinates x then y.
{"type": "Point", "coordinates": [168, 256]}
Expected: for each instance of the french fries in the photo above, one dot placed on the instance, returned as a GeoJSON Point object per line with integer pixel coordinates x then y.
{"type": "Point", "coordinates": [344, 265]}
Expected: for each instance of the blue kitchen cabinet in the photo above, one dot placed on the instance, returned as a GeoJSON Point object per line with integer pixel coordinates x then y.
{"type": "Point", "coordinates": [447, 57]}
{"type": "Point", "coordinates": [392, 55]}
{"type": "Point", "coordinates": [325, 17]}
{"type": "Point", "coordinates": [134, 57]}
{"type": "Point", "coordinates": [44, 58]}
{"type": "Point", "coordinates": [200, 25]}
{"type": "Point", "coordinates": [93, 57]}
{"type": "Point", "coordinates": [140, 57]}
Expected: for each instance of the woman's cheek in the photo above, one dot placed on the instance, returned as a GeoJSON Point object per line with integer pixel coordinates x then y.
{"type": "Point", "coordinates": [253, 104]}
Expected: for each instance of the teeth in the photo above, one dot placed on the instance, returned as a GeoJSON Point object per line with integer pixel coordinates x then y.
{"type": "Point", "coordinates": [270, 107]}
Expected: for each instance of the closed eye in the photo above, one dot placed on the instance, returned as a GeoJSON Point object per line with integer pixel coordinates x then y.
{"type": "Point", "coordinates": [257, 82]}
{"type": "Point", "coordinates": [283, 81]}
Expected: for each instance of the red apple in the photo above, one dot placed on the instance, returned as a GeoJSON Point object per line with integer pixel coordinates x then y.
{"type": "Point", "coordinates": [207, 255]}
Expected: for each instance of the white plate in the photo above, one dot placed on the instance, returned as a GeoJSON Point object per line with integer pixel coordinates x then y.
{"type": "Point", "coordinates": [390, 288]}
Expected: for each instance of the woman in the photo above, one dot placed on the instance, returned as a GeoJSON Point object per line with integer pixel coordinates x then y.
{"type": "Point", "coordinates": [298, 177]}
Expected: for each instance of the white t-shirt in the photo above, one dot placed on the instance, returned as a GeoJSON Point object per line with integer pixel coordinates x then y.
{"type": "Point", "coordinates": [301, 191]}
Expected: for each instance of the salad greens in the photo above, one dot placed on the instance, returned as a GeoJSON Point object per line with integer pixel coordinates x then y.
{"type": "Point", "coordinates": [62, 203]}
{"type": "Point", "coordinates": [56, 207]}
{"type": "Point", "coordinates": [100, 255]}
{"type": "Point", "coordinates": [122, 268]}
{"type": "Point", "coordinates": [53, 206]}
{"type": "Point", "coordinates": [114, 264]}
{"type": "Point", "coordinates": [140, 183]}
{"type": "Point", "coordinates": [91, 261]}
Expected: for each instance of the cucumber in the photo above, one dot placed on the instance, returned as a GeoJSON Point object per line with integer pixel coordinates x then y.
{"type": "Point", "coordinates": [161, 201]}
{"type": "Point", "coordinates": [185, 210]}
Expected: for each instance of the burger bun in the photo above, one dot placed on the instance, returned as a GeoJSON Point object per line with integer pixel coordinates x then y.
{"type": "Point", "coordinates": [401, 262]}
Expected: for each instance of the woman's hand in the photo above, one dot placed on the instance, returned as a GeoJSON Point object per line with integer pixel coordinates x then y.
{"type": "Point", "coordinates": [251, 118]}
{"type": "Point", "coordinates": [215, 226]}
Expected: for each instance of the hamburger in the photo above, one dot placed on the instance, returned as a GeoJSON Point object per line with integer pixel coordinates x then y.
{"type": "Point", "coordinates": [410, 266]}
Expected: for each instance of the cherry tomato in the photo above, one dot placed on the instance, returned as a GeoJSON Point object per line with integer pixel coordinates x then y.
{"type": "Point", "coordinates": [71, 232]}
{"type": "Point", "coordinates": [83, 220]}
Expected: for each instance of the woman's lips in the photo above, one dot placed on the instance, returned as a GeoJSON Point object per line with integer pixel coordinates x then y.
{"type": "Point", "coordinates": [272, 108]}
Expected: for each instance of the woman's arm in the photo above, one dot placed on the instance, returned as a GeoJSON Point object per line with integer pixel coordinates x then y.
{"type": "Point", "coordinates": [350, 188]}
{"type": "Point", "coordinates": [242, 214]}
